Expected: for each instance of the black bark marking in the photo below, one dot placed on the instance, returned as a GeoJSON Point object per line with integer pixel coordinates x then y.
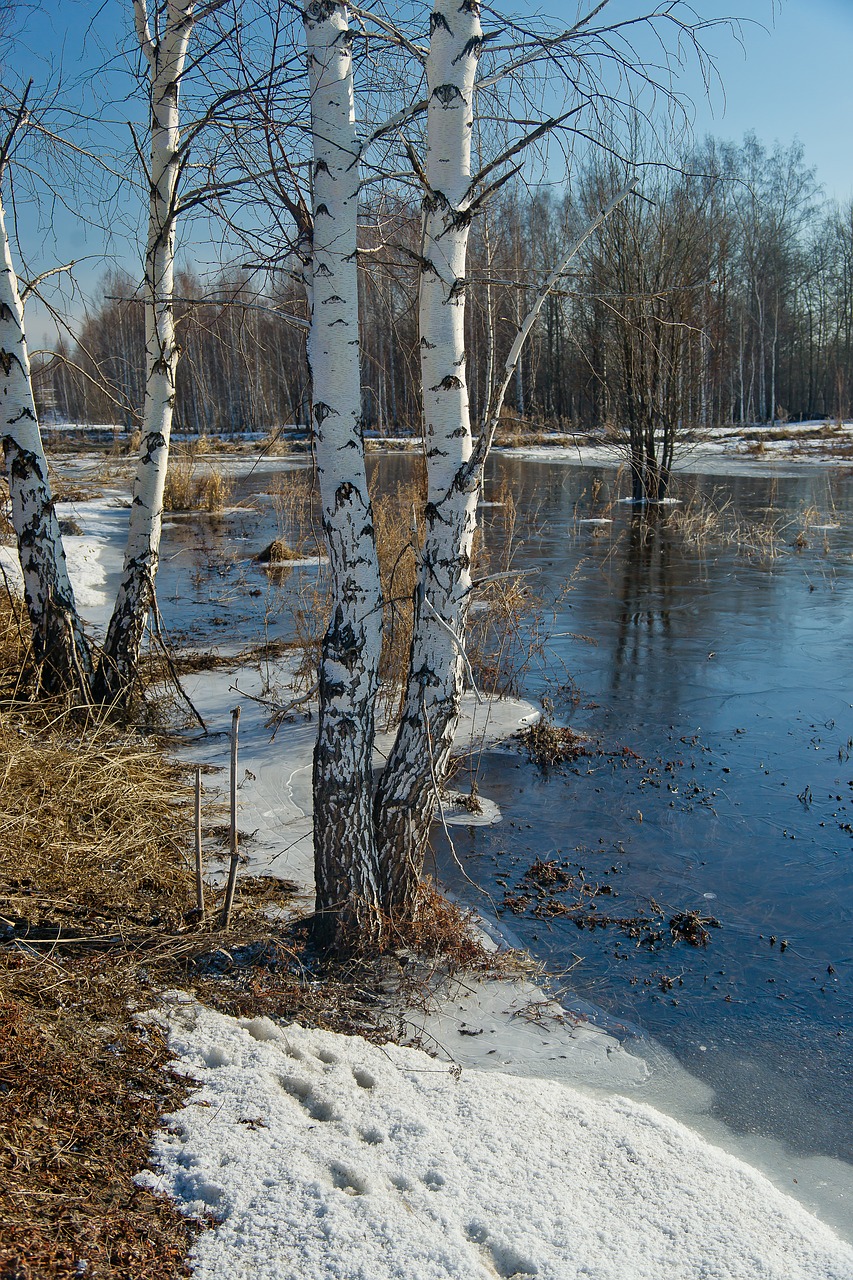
{"type": "Point", "coordinates": [153, 444]}
{"type": "Point", "coordinates": [26, 412]}
{"type": "Point", "coordinates": [343, 493]}
{"type": "Point", "coordinates": [447, 94]}
{"type": "Point", "coordinates": [433, 201]}
{"type": "Point", "coordinates": [450, 383]}
{"type": "Point", "coordinates": [472, 46]}
{"type": "Point", "coordinates": [437, 20]}
{"type": "Point", "coordinates": [24, 463]}
{"type": "Point", "coordinates": [322, 208]}
{"type": "Point", "coordinates": [6, 312]}
{"type": "Point", "coordinates": [320, 10]}
{"type": "Point", "coordinates": [7, 359]}
{"type": "Point", "coordinates": [321, 412]}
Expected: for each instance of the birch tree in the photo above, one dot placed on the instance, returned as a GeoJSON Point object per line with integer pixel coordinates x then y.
{"type": "Point", "coordinates": [164, 44]}
{"type": "Point", "coordinates": [405, 798]}
{"type": "Point", "coordinates": [346, 868]}
{"type": "Point", "coordinates": [60, 648]}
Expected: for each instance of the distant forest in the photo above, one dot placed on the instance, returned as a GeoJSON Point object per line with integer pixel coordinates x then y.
{"type": "Point", "coordinates": [722, 293]}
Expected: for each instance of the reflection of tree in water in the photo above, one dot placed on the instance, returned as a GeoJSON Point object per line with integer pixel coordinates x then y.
{"type": "Point", "coordinates": [644, 639]}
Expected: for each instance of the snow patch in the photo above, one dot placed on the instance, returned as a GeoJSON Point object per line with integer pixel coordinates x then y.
{"type": "Point", "coordinates": [355, 1162]}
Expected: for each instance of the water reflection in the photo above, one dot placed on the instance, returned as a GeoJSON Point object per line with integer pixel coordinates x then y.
{"type": "Point", "coordinates": [646, 597]}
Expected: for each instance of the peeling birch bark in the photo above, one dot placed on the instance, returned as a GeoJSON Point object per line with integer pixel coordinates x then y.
{"type": "Point", "coordinates": [346, 869]}
{"type": "Point", "coordinates": [60, 647]}
{"type": "Point", "coordinates": [405, 800]}
{"type": "Point", "coordinates": [166, 56]}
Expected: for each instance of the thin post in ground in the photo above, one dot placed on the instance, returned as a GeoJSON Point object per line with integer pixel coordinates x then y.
{"type": "Point", "coordinates": [232, 869]}
{"type": "Point", "coordinates": [199, 883]}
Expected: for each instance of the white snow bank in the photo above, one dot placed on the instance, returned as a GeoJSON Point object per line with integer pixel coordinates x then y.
{"type": "Point", "coordinates": [327, 1158]}
{"type": "Point", "coordinates": [85, 568]}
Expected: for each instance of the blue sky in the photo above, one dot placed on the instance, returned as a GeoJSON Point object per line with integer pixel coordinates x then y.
{"type": "Point", "coordinates": [790, 78]}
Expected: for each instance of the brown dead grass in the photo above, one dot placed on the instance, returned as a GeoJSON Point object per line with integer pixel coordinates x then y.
{"type": "Point", "coordinates": [82, 1091]}
{"type": "Point", "coordinates": [187, 490]}
{"type": "Point", "coordinates": [396, 516]}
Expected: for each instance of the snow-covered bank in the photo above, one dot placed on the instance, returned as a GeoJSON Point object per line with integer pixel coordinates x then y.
{"type": "Point", "coordinates": [758, 449]}
{"type": "Point", "coordinates": [326, 1157]}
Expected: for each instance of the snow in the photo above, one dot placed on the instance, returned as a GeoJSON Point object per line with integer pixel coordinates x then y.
{"type": "Point", "coordinates": [755, 449]}
{"type": "Point", "coordinates": [85, 559]}
{"type": "Point", "coordinates": [323, 1156]}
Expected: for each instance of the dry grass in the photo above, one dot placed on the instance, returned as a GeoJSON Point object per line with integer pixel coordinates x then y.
{"type": "Point", "coordinates": [702, 520]}
{"type": "Point", "coordinates": [395, 517]}
{"type": "Point", "coordinates": [82, 1093]}
{"type": "Point", "coordinates": [92, 827]}
{"type": "Point", "coordinates": [295, 501]}
{"type": "Point", "coordinates": [187, 490]}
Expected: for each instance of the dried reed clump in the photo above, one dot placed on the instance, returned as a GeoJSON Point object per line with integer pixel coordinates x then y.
{"type": "Point", "coordinates": [188, 491]}
{"type": "Point", "coordinates": [295, 502]}
{"type": "Point", "coordinates": [702, 519]}
{"type": "Point", "coordinates": [93, 827]}
{"type": "Point", "coordinates": [278, 552]}
{"type": "Point", "coordinates": [506, 625]}
{"type": "Point", "coordinates": [444, 932]}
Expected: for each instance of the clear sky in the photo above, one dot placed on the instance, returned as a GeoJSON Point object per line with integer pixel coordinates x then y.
{"type": "Point", "coordinates": [789, 78]}
{"type": "Point", "coordinates": [792, 79]}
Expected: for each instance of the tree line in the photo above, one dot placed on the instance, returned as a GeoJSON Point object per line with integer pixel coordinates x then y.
{"type": "Point", "coordinates": [723, 295]}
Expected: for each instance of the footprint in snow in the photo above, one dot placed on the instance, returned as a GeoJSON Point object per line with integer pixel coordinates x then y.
{"type": "Point", "coordinates": [301, 1090]}
{"type": "Point", "coordinates": [373, 1137]}
{"type": "Point", "coordinates": [346, 1179]}
{"type": "Point", "coordinates": [364, 1079]}
{"type": "Point", "coordinates": [503, 1259]}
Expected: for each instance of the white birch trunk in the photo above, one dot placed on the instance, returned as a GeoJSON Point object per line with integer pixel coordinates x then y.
{"type": "Point", "coordinates": [166, 56]}
{"type": "Point", "coordinates": [346, 871]}
{"type": "Point", "coordinates": [60, 648]}
{"type": "Point", "coordinates": [406, 798]}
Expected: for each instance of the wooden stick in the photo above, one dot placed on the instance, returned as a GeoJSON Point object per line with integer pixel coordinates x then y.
{"type": "Point", "coordinates": [232, 870]}
{"type": "Point", "coordinates": [199, 884]}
